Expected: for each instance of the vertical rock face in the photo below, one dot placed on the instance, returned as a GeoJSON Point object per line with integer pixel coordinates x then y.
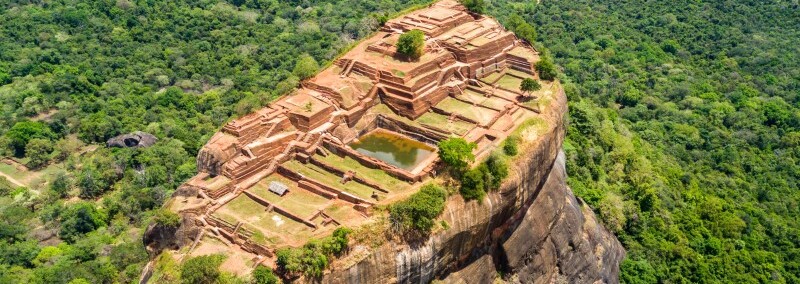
{"type": "Point", "coordinates": [560, 239]}
{"type": "Point", "coordinates": [532, 228]}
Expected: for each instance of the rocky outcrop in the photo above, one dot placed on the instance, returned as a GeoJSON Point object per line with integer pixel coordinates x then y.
{"type": "Point", "coordinates": [135, 139]}
{"type": "Point", "coordinates": [479, 271]}
{"type": "Point", "coordinates": [560, 239]}
{"type": "Point", "coordinates": [533, 229]}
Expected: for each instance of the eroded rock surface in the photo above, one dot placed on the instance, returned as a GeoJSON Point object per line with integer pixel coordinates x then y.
{"type": "Point", "coordinates": [559, 238]}
{"type": "Point", "coordinates": [533, 229]}
{"type": "Point", "coordinates": [135, 139]}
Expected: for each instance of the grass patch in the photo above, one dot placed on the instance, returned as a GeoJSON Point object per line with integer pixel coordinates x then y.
{"type": "Point", "coordinates": [297, 201]}
{"type": "Point", "coordinates": [331, 180]}
{"type": "Point", "coordinates": [509, 83]}
{"type": "Point", "coordinates": [530, 129]}
{"type": "Point", "coordinates": [375, 175]}
{"type": "Point", "coordinates": [440, 121]}
{"type": "Point", "coordinates": [492, 77]}
{"type": "Point", "coordinates": [476, 113]}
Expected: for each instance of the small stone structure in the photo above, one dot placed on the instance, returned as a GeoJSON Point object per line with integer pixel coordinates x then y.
{"type": "Point", "coordinates": [135, 139]}
{"type": "Point", "coordinates": [278, 188]}
{"type": "Point", "coordinates": [458, 88]}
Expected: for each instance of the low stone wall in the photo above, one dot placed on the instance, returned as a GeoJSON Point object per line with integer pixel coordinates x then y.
{"type": "Point", "coordinates": [338, 171]}
{"type": "Point", "coordinates": [278, 209]}
{"type": "Point", "coordinates": [372, 162]}
{"type": "Point", "coordinates": [339, 194]}
{"type": "Point", "coordinates": [476, 229]}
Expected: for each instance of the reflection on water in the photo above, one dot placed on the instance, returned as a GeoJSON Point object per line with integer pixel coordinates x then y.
{"type": "Point", "coordinates": [393, 149]}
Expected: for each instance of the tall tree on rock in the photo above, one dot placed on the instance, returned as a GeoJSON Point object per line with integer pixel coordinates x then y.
{"type": "Point", "coordinates": [411, 44]}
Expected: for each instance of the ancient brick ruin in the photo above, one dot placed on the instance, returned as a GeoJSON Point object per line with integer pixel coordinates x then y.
{"type": "Point", "coordinates": [465, 85]}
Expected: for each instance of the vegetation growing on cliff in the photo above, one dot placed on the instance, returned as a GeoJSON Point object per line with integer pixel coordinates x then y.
{"type": "Point", "coordinates": [684, 119]}
{"type": "Point", "coordinates": [456, 153]}
{"type": "Point", "coordinates": [417, 214]}
{"type": "Point", "coordinates": [314, 257]}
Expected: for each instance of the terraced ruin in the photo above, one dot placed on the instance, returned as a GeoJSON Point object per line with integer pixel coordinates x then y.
{"type": "Point", "coordinates": [295, 169]}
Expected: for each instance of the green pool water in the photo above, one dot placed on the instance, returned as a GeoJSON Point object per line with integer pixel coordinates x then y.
{"type": "Point", "coordinates": [393, 149]}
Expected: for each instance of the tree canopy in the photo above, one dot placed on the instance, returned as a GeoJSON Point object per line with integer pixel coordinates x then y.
{"type": "Point", "coordinates": [475, 6]}
{"type": "Point", "coordinates": [411, 44]}
{"type": "Point", "coordinates": [529, 85]}
{"type": "Point", "coordinates": [681, 133]}
{"type": "Point", "coordinates": [456, 153]}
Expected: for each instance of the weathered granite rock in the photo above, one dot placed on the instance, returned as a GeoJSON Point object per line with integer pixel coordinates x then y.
{"type": "Point", "coordinates": [480, 271]}
{"type": "Point", "coordinates": [135, 139]}
{"type": "Point", "coordinates": [559, 238]}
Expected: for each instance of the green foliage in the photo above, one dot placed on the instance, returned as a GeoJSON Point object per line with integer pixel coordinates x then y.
{"type": "Point", "coordinates": [681, 131]}
{"type": "Point", "coordinates": [313, 258]}
{"type": "Point", "coordinates": [79, 219]}
{"type": "Point", "coordinates": [473, 183]}
{"type": "Point", "coordinates": [417, 213]}
{"type": "Point", "coordinates": [22, 132]}
{"type": "Point", "coordinates": [411, 44]}
{"type": "Point", "coordinates": [61, 184]}
{"type": "Point", "coordinates": [38, 151]}
{"type": "Point", "coordinates": [521, 28]}
{"type": "Point", "coordinates": [529, 85]}
{"type": "Point", "coordinates": [167, 218]}
{"type": "Point", "coordinates": [456, 153]}
{"type": "Point", "coordinates": [487, 176]}
{"type": "Point", "coordinates": [498, 169]}
{"type": "Point", "coordinates": [264, 275]}
{"type": "Point", "coordinates": [475, 6]}
{"type": "Point", "coordinates": [306, 67]}
{"type": "Point", "coordinates": [510, 146]}
{"type": "Point", "coordinates": [337, 242]}
{"type": "Point", "coordinates": [546, 69]}
{"type": "Point", "coordinates": [202, 269]}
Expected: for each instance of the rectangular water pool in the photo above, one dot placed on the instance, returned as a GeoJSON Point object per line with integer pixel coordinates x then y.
{"type": "Point", "coordinates": [394, 149]}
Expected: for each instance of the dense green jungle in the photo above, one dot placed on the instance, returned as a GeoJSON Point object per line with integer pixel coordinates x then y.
{"type": "Point", "coordinates": [683, 130]}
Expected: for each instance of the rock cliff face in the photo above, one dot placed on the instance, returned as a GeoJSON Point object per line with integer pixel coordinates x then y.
{"type": "Point", "coordinates": [533, 229]}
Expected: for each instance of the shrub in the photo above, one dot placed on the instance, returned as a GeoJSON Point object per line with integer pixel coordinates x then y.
{"type": "Point", "coordinates": [498, 168]}
{"type": "Point", "coordinates": [456, 153]}
{"type": "Point", "coordinates": [546, 69]}
{"type": "Point", "coordinates": [473, 183]}
{"type": "Point", "coordinates": [80, 219]}
{"type": "Point", "coordinates": [488, 175]}
{"type": "Point", "coordinates": [308, 260]}
{"type": "Point", "coordinates": [417, 213]}
{"type": "Point", "coordinates": [312, 258]}
{"type": "Point", "coordinates": [22, 132]}
{"type": "Point", "coordinates": [411, 44]}
{"type": "Point", "coordinates": [264, 275]}
{"type": "Point", "coordinates": [511, 145]}
{"type": "Point", "coordinates": [202, 269]}
{"type": "Point", "coordinates": [167, 218]}
{"type": "Point", "coordinates": [529, 85]}
{"type": "Point", "coordinates": [38, 150]}
{"type": "Point", "coordinates": [337, 242]}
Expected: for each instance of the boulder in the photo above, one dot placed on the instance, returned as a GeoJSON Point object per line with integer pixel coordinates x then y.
{"type": "Point", "coordinates": [135, 139]}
